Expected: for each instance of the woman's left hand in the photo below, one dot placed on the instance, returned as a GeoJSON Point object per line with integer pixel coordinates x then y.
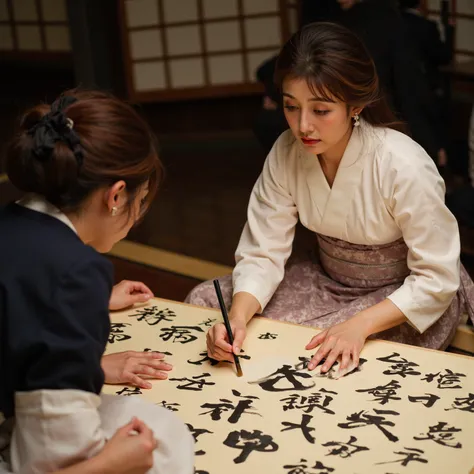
{"type": "Point", "coordinates": [127, 293]}
{"type": "Point", "coordinates": [344, 339]}
{"type": "Point", "coordinates": [129, 367]}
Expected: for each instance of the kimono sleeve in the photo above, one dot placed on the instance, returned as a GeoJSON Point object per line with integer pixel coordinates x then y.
{"type": "Point", "coordinates": [415, 197]}
{"type": "Point", "coordinates": [267, 238]}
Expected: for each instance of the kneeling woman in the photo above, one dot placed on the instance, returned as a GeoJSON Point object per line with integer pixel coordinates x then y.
{"type": "Point", "coordinates": [388, 263]}
{"type": "Point", "coordinates": [90, 167]}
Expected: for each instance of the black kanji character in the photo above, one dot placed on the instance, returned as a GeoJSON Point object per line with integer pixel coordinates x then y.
{"type": "Point", "coordinates": [196, 432]}
{"type": "Point", "coordinates": [250, 441]}
{"type": "Point", "coordinates": [400, 366]}
{"type": "Point", "coordinates": [344, 450]}
{"type": "Point", "coordinates": [303, 363]}
{"type": "Point", "coordinates": [117, 334]}
{"type": "Point", "coordinates": [463, 404]}
{"type": "Point", "coordinates": [322, 469]}
{"type": "Point", "coordinates": [268, 335]}
{"type": "Point", "coordinates": [441, 434]}
{"type": "Point", "coordinates": [152, 315]}
{"type": "Point", "coordinates": [413, 454]}
{"type": "Point", "coordinates": [239, 408]}
{"type": "Point", "coordinates": [285, 373]}
{"type": "Point", "coordinates": [182, 334]}
{"type": "Point", "coordinates": [309, 403]}
{"type": "Point", "coordinates": [362, 418]}
{"type": "Point", "coordinates": [303, 426]}
{"type": "Point", "coordinates": [195, 383]}
{"type": "Point", "coordinates": [297, 468]}
{"type": "Point", "coordinates": [208, 322]}
{"type": "Point", "coordinates": [204, 359]}
{"type": "Point", "coordinates": [448, 379]}
{"type": "Point", "coordinates": [384, 393]}
{"type": "Point", "coordinates": [127, 391]}
{"type": "Point", "coordinates": [147, 349]}
{"type": "Point", "coordinates": [428, 399]}
{"type": "Point", "coordinates": [169, 406]}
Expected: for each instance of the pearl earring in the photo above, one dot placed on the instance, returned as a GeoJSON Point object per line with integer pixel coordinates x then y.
{"type": "Point", "coordinates": [356, 120]}
{"type": "Point", "coordinates": [114, 211]}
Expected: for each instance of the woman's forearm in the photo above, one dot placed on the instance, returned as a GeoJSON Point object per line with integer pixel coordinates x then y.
{"type": "Point", "coordinates": [380, 317]}
{"type": "Point", "coordinates": [95, 465]}
{"type": "Point", "coordinates": [244, 307]}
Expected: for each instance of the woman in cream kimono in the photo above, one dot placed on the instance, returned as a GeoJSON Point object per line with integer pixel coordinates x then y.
{"type": "Point", "coordinates": [388, 263]}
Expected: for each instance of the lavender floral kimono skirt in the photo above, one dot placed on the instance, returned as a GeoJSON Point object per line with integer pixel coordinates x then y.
{"type": "Point", "coordinates": [344, 280]}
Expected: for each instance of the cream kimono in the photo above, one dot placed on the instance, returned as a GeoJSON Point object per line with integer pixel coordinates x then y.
{"type": "Point", "coordinates": [383, 230]}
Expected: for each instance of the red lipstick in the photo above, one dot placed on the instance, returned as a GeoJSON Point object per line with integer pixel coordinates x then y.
{"type": "Point", "coordinates": [310, 141]}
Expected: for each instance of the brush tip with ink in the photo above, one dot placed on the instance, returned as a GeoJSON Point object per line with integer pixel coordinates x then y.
{"type": "Point", "coordinates": [217, 287]}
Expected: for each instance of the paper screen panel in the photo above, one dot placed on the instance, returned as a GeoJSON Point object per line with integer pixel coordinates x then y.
{"type": "Point", "coordinates": [57, 38]}
{"type": "Point", "coordinates": [6, 38]}
{"type": "Point", "coordinates": [262, 32]}
{"type": "Point", "coordinates": [141, 13]}
{"type": "Point", "coordinates": [149, 76]}
{"type": "Point", "coordinates": [54, 10]}
{"type": "Point", "coordinates": [226, 69]}
{"type": "Point", "coordinates": [187, 72]}
{"type": "Point", "coordinates": [219, 9]}
{"type": "Point", "coordinates": [223, 36]}
{"type": "Point", "coordinates": [24, 10]}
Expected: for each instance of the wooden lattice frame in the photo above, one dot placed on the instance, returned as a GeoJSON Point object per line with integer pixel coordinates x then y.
{"type": "Point", "coordinates": [208, 90]}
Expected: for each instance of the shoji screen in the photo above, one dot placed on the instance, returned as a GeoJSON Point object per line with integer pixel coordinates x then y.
{"type": "Point", "coordinates": [33, 27]}
{"type": "Point", "coordinates": [198, 48]}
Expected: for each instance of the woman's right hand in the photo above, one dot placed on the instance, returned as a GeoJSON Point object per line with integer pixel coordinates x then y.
{"type": "Point", "coordinates": [218, 345]}
{"type": "Point", "coordinates": [130, 450]}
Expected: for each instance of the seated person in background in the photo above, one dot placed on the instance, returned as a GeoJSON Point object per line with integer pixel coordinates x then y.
{"type": "Point", "coordinates": [388, 264]}
{"type": "Point", "coordinates": [432, 53]}
{"type": "Point", "coordinates": [89, 165]}
{"type": "Point", "coordinates": [461, 201]}
{"type": "Point", "coordinates": [426, 39]}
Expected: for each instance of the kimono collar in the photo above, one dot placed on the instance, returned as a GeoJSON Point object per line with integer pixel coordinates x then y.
{"type": "Point", "coordinates": [38, 203]}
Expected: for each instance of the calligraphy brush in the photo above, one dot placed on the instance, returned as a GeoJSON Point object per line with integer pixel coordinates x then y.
{"type": "Point", "coordinates": [227, 325]}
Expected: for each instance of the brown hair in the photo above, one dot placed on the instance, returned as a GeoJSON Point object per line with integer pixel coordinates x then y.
{"type": "Point", "coordinates": [335, 63]}
{"type": "Point", "coordinates": [115, 144]}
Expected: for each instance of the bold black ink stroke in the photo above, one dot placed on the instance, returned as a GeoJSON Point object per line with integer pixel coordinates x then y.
{"type": "Point", "coordinates": [195, 383]}
{"type": "Point", "coordinates": [238, 409]}
{"type": "Point", "coordinates": [383, 393]}
{"type": "Point", "coordinates": [250, 441]}
{"type": "Point", "coordinates": [411, 455]}
{"type": "Point", "coordinates": [127, 391]}
{"type": "Point", "coordinates": [363, 418]}
{"type": "Point", "coordinates": [448, 379]}
{"type": "Point", "coordinates": [303, 426]}
{"type": "Point", "coordinates": [285, 373]}
{"type": "Point", "coordinates": [310, 402]}
{"type": "Point", "coordinates": [428, 398]}
{"type": "Point", "coordinates": [344, 450]}
{"type": "Point", "coordinates": [117, 334]}
{"type": "Point", "coordinates": [463, 404]}
{"type": "Point", "coordinates": [152, 315]}
{"type": "Point", "coordinates": [181, 334]}
{"type": "Point", "coordinates": [441, 434]}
